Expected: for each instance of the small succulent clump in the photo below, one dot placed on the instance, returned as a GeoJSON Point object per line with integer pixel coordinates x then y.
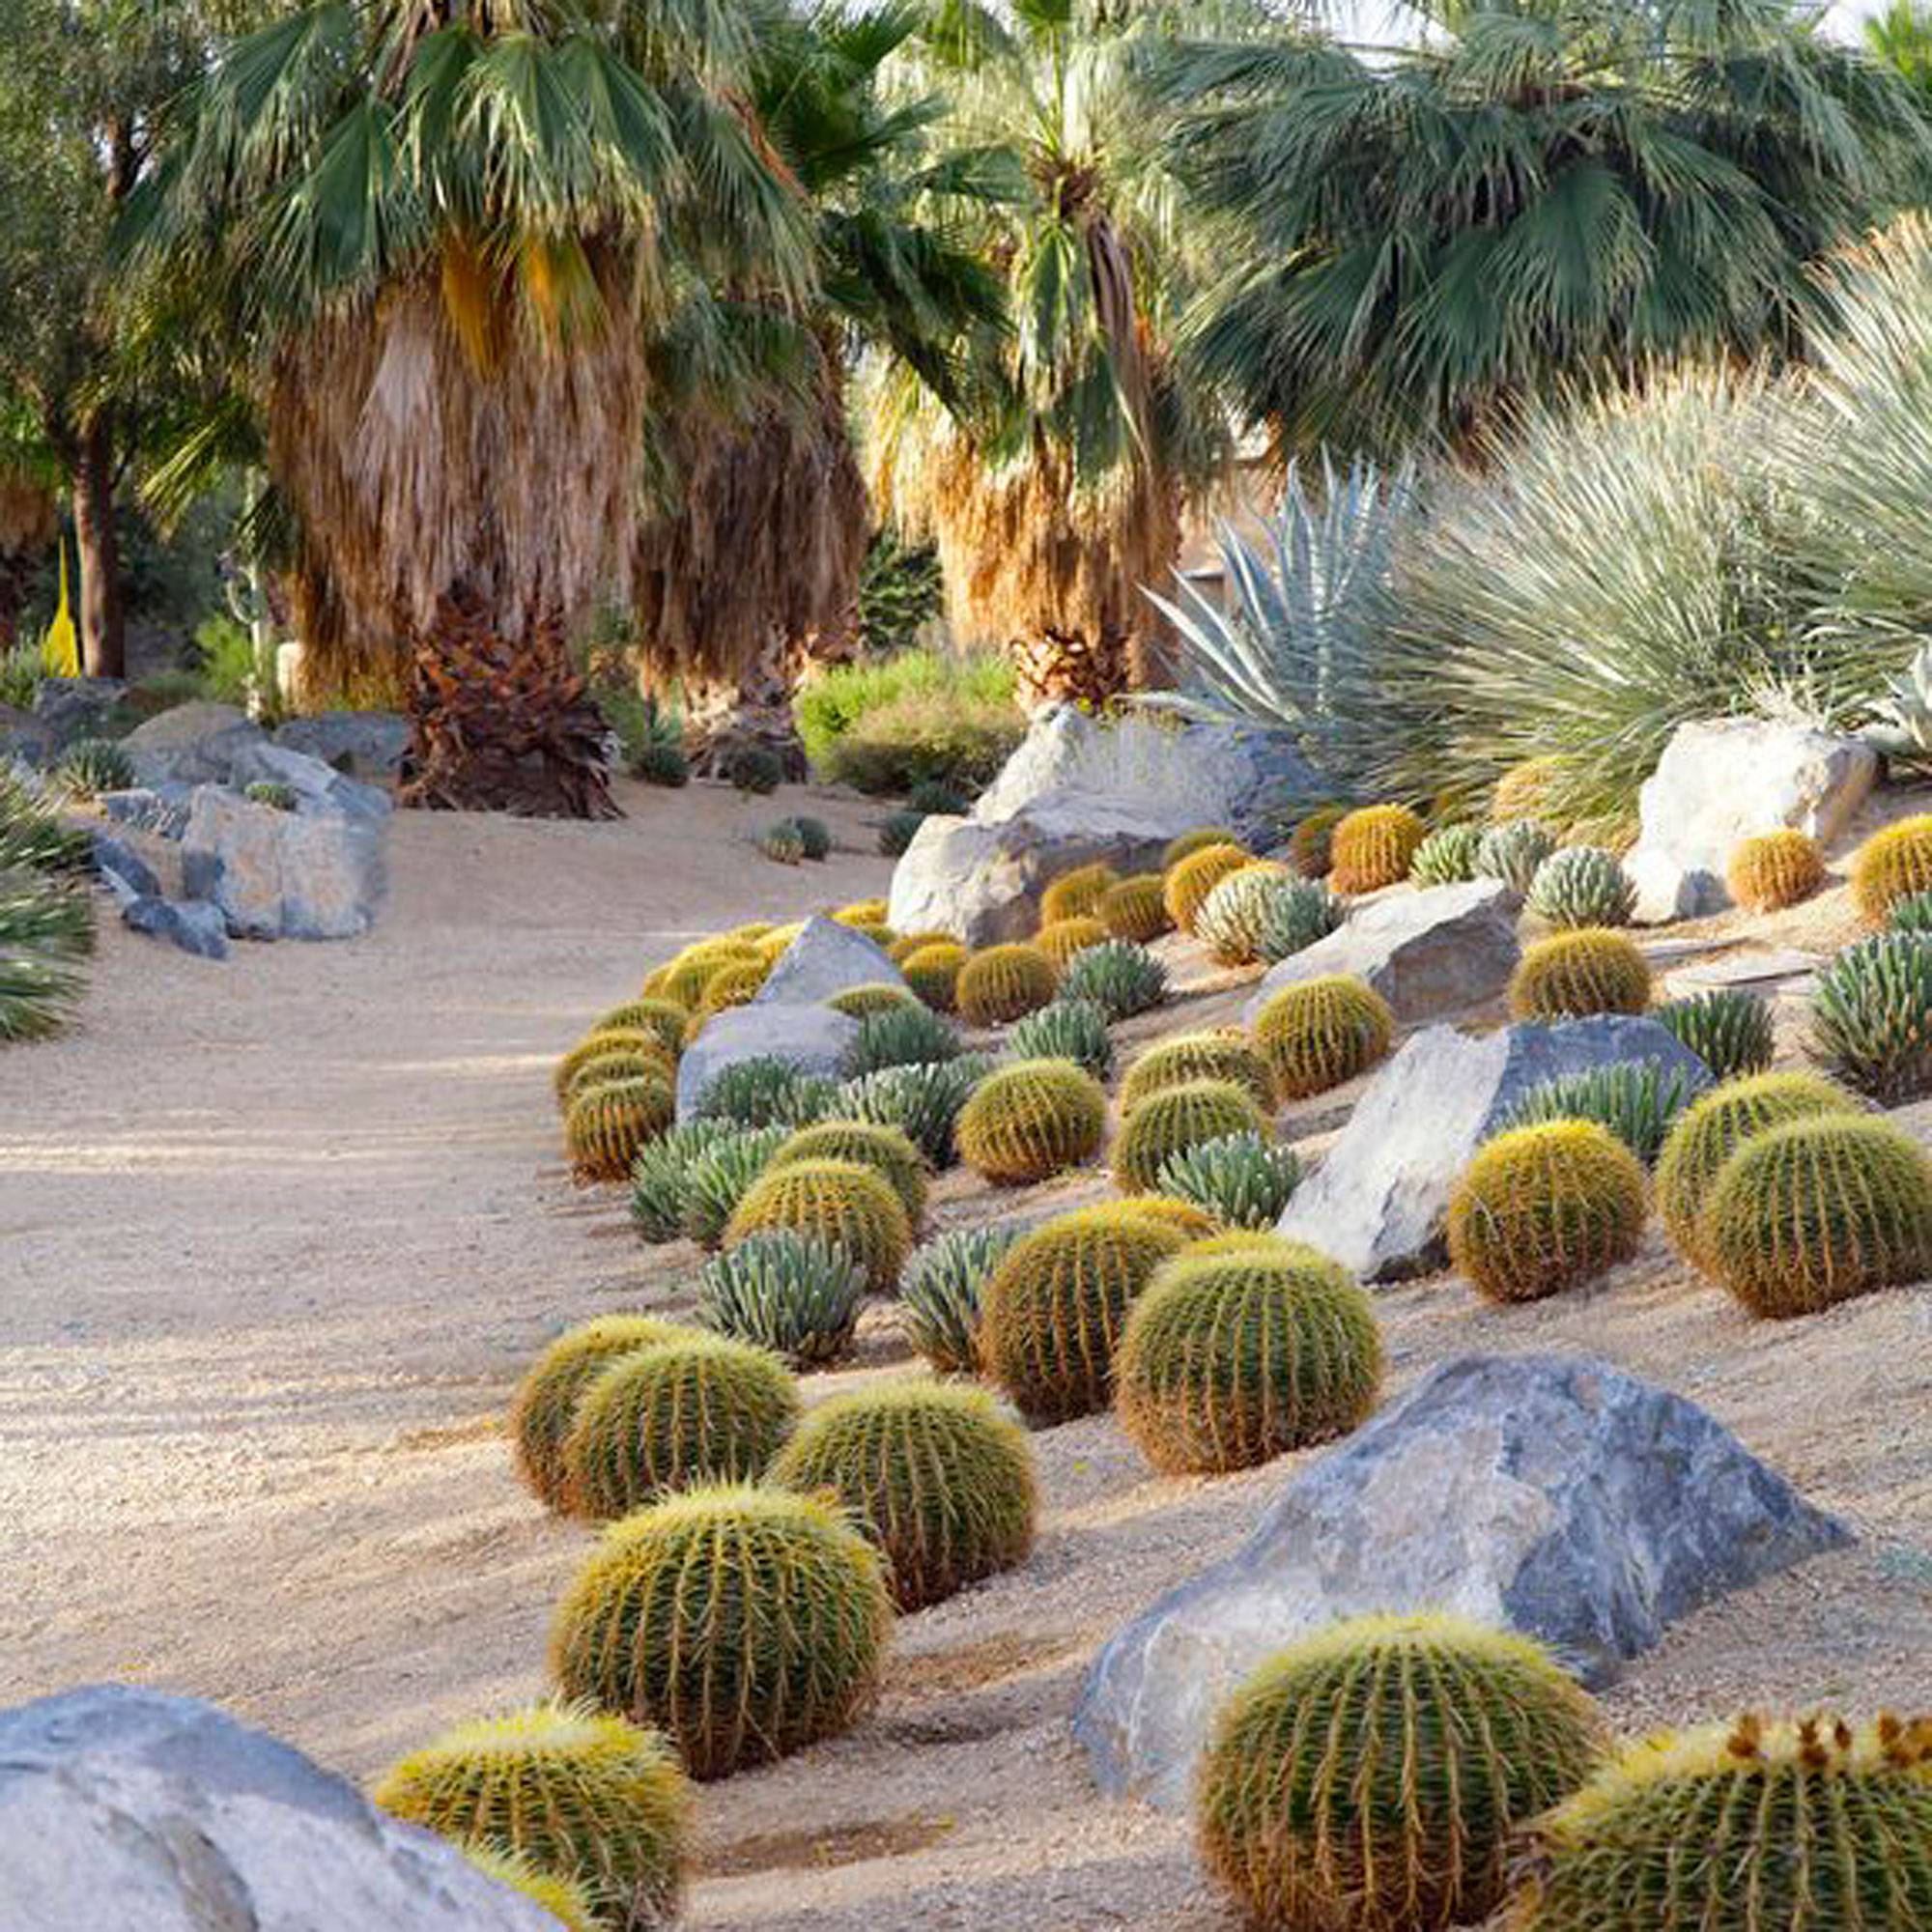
{"type": "Point", "coordinates": [932, 972]}
{"type": "Point", "coordinates": [765, 1092]}
{"type": "Point", "coordinates": [1512, 851]}
{"type": "Point", "coordinates": [938, 797]}
{"type": "Point", "coordinates": [1296, 918]}
{"type": "Point", "coordinates": [1447, 857]}
{"type": "Point", "coordinates": [781, 843]}
{"type": "Point", "coordinates": [1582, 884]}
{"type": "Point", "coordinates": [1573, 975]}
{"type": "Point", "coordinates": [661, 1174]}
{"type": "Point", "coordinates": [1065, 939]}
{"type": "Point", "coordinates": [1075, 894]}
{"type": "Point", "coordinates": [1031, 1119]}
{"type": "Point", "coordinates": [1372, 848]}
{"type": "Point", "coordinates": [939, 1293]}
{"type": "Point", "coordinates": [785, 1291]}
{"type": "Point", "coordinates": [897, 831]}
{"type": "Point", "coordinates": [814, 835]}
{"type": "Point", "coordinates": [1871, 1016]}
{"type": "Point", "coordinates": [1242, 1179]}
{"type": "Point", "coordinates": [908, 1034]}
{"type": "Point", "coordinates": [719, 1177]}
{"type": "Point", "coordinates": [1321, 1033]}
{"type": "Point", "coordinates": [857, 1002]}
{"type": "Point", "coordinates": [1173, 1118]}
{"type": "Point", "coordinates": [923, 1100]}
{"type": "Point", "coordinates": [1187, 843]}
{"type": "Point", "coordinates": [276, 796]}
{"type": "Point", "coordinates": [841, 1202]}
{"type": "Point", "coordinates": [1234, 915]}
{"type": "Point", "coordinates": [754, 769]}
{"type": "Point", "coordinates": [1119, 977]}
{"type": "Point", "coordinates": [1135, 909]}
{"type": "Point", "coordinates": [1002, 983]}
{"type": "Point", "coordinates": [1775, 869]}
{"type": "Point", "coordinates": [1892, 864]}
{"type": "Point", "coordinates": [1074, 1030]}
{"type": "Point", "coordinates": [1223, 1054]}
{"type": "Point", "coordinates": [91, 766]}
{"type": "Point", "coordinates": [661, 763]}
{"type": "Point", "coordinates": [1637, 1101]}
{"type": "Point", "coordinates": [1728, 1030]}
{"type": "Point", "coordinates": [1188, 880]}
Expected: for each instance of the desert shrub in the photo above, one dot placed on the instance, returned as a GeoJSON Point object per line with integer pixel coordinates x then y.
{"type": "Point", "coordinates": [1513, 852]}
{"type": "Point", "coordinates": [1223, 1054]}
{"type": "Point", "coordinates": [933, 972]}
{"type": "Point", "coordinates": [1371, 1778]}
{"type": "Point", "coordinates": [1076, 894]}
{"type": "Point", "coordinates": [765, 1092]}
{"type": "Point", "coordinates": [1775, 869]}
{"type": "Point", "coordinates": [938, 797]}
{"type": "Point", "coordinates": [886, 1149]}
{"type": "Point", "coordinates": [1572, 975]}
{"type": "Point", "coordinates": [1296, 918]}
{"type": "Point", "coordinates": [661, 1172]}
{"type": "Point", "coordinates": [1074, 1030]}
{"type": "Point", "coordinates": [1119, 977]}
{"type": "Point", "coordinates": [1447, 857]}
{"type": "Point", "coordinates": [745, 1623]}
{"type": "Point", "coordinates": [721, 1176]}
{"type": "Point", "coordinates": [1321, 1033]}
{"type": "Point", "coordinates": [938, 1476]}
{"type": "Point", "coordinates": [1871, 1016]}
{"type": "Point", "coordinates": [1135, 908]}
{"type": "Point", "coordinates": [1173, 1119]}
{"type": "Point", "coordinates": [896, 831]}
{"type": "Point", "coordinates": [1187, 882]}
{"type": "Point", "coordinates": [547, 1399]}
{"type": "Point", "coordinates": [1637, 1099]}
{"type": "Point", "coordinates": [1728, 1030]}
{"type": "Point", "coordinates": [840, 1201]}
{"type": "Point", "coordinates": [1063, 939]}
{"type": "Point", "coordinates": [1001, 983]}
{"type": "Point", "coordinates": [907, 1034]}
{"type": "Point", "coordinates": [787, 1292]}
{"type": "Point", "coordinates": [1031, 1119]}
{"type": "Point", "coordinates": [94, 765]}
{"type": "Point", "coordinates": [923, 1100]}
{"type": "Point", "coordinates": [939, 1292]}
{"type": "Point", "coordinates": [1582, 884]}
{"type": "Point", "coordinates": [1242, 1179]}
{"type": "Point", "coordinates": [659, 763]}
{"type": "Point", "coordinates": [1373, 847]}
{"type": "Point", "coordinates": [1231, 1359]}
{"type": "Point", "coordinates": [608, 1125]}
{"type": "Point", "coordinates": [859, 1002]}
{"type": "Point", "coordinates": [918, 717]}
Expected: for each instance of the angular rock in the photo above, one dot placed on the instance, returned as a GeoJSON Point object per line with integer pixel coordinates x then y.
{"type": "Point", "coordinates": [1427, 952]}
{"type": "Point", "coordinates": [23, 736]}
{"type": "Point", "coordinates": [824, 959]}
{"type": "Point", "coordinates": [116, 860]}
{"type": "Point", "coordinates": [192, 925]}
{"type": "Point", "coordinates": [814, 1040]}
{"type": "Point", "coordinates": [191, 743]}
{"type": "Point", "coordinates": [130, 1811]}
{"type": "Point", "coordinates": [1556, 1497]}
{"type": "Point", "coordinates": [1723, 781]}
{"type": "Point", "coordinates": [1378, 1201]}
{"type": "Point", "coordinates": [161, 810]}
{"type": "Point", "coordinates": [366, 745]}
{"type": "Point", "coordinates": [73, 708]}
{"type": "Point", "coordinates": [281, 875]}
{"type": "Point", "coordinates": [317, 787]}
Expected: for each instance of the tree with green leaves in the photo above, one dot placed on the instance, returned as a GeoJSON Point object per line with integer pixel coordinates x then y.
{"type": "Point", "coordinates": [1901, 38]}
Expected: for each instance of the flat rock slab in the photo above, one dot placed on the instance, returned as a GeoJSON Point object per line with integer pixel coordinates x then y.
{"type": "Point", "coordinates": [1378, 1203]}
{"type": "Point", "coordinates": [127, 1810]}
{"type": "Point", "coordinates": [1747, 970]}
{"type": "Point", "coordinates": [814, 1040]}
{"type": "Point", "coordinates": [826, 958]}
{"type": "Point", "coordinates": [1555, 1497]}
{"type": "Point", "coordinates": [1428, 953]}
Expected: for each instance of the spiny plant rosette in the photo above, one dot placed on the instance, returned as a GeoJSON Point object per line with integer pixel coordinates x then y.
{"type": "Point", "coordinates": [1715, 1125]}
{"type": "Point", "coordinates": [1030, 1121]}
{"type": "Point", "coordinates": [1762, 1825]}
{"type": "Point", "coordinates": [1241, 1179]}
{"type": "Point", "coordinates": [1370, 1778]}
{"type": "Point", "coordinates": [696, 1410]}
{"type": "Point", "coordinates": [1311, 844]}
{"type": "Point", "coordinates": [607, 1124]}
{"type": "Point", "coordinates": [1054, 1307]}
{"type": "Point", "coordinates": [840, 1201]}
{"type": "Point", "coordinates": [1187, 882]}
{"type": "Point", "coordinates": [1871, 1016]}
{"type": "Point", "coordinates": [1293, 918]}
{"type": "Point", "coordinates": [1572, 975]}
{"type": "Point", "coordinates": [744, 1622]}
{"type": "Point", "coordinates": [939, 1293]}
{"type": "Point", "coordinates": [1227, 1054]}
{"type": "Point", "coordinates": [924, 1101]}
{"type": "Point", "coordinates": [1513, 852]}
{"type": "Point", "coordinates": [564, 1899]}
{"type": "Point", "coordinates": [1372, 848]}
{"type": "Point", "coordinates": [1637, 1099]}
{"type": "Point", "coordinates": [1003, 983]}
{"type": "Point", "coordinates": [1323, 1031]}
{"type": "Point", "coordinates": [1187, 843]}
{"type": "Point", "coordinates": [1178, 1118]}
{"type": "Point", "coordinates": [94, 765]}
{"type": "Point", "coordinates": [902, 1035]}
{"type": "Point", "coordinates": [548, 1397]}
{"type": "Point", "coordinates": [937, 1475]}
{"type": "Point", "coordinates": [1811, 1213]}
{"type": "Point", "coordinates": [718, 1177]}
{"type": "Point", "coordinates": [1581, 886]}
{"type": "Point", "coordinates": [1076, 894]}
{"type": "Point", "coordinates": [885, 1149]}
{"type": "Point", "coordinates": [1067, 938]}
{"type": "Point", "coordinates": [1234, 913]}
{"type": "Point", "coordinates": [1729, 1031]}
{"type": "Point", "coordinates": [932, 972]}
{"type": "Point", "coordinates": [579, 1793]}
{"type": "Point", "coordinates": [787, 1292]}
{"type": "Point", "coordinates": [1230, 1360]}
{"type": "Point", "coordinates": [1890, 864]}
{"type": "Point", "coordinates": [861, 1002]}
{"type": "Point", "coordinates": [1447, 857]}
{"type": "Point", "coordinates": [765, 1092]}
{"type": "Point", "coordinates": [1119, 978]}
{"type": "Point", "coordinates": [1775, 869]}
{"type": "Point", "coordinates": [1074, 1030]}
{"type": "Point", "coordinates": [1541, 1208]}
{"type": "Point", "coordinates": [1135, 909]}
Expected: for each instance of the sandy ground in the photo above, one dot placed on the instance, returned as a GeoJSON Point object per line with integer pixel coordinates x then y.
{"type": "Point", "coordinates": [276, 1239]}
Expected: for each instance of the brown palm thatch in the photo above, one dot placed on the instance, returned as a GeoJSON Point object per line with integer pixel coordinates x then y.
{"type": "Point", "coordinates": [28, 521]}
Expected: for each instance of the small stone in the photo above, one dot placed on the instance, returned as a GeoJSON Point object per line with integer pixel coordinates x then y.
{"type": "Point", "coordinates": [193, 926]}
{"type": "Point", "coordinates": [114, 857]}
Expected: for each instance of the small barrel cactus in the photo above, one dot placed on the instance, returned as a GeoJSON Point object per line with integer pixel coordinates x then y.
{"type": "Point", "coordinates": [840, 1201]}
{"type": "Point", "coordinates": [1775, 869]}
{"type": "Point", "coordinates": [862, 913]}
{"type": "Point", "coordinates": [884, 1149]}
{"type": "Point", "coordinates": [787, 1292]}
{"type": "Point", "coordinates": [1187, 882]}
{"type": "Point", "coordinates": [661, 1172]}
{"type": "Point", "coordinates": [1893, 862]}
{"type": "Point", "coordinates": [547, 1397]}
{"type": "Point", "coordinates": [1053, 1309]}
{"type": "Point", "coordinates": [1232, 916]}
{"type": "Point", "coordinates": [932, 972]}
{"type": "Point", "coordinates": [1187, 843]}
{"type": "Point", "coordinates": [1176, 1118]}
{"type": "Point", "coordinates": [938, 1475]}
{"type": "Point", "coordinates": [861, 1002]}
{"type": "Point", "coordinates": [1002, 983]}
{"type": "Point", "coordinates": [1373, 847]}
{"type": "Point", "coordinates": [1321, 1033]}
{"type": "Point", "coordinates": [1637, 1099]}
{"type": "Point", "coordinates": [908, 942]}
{"type": "Point", "coordinates": [1572, 975]}
{"type": "Point", "coordinates": [1294, 919]}
{"type": "Point", "coordinates": [1135, 909]}
{"type": "Point", "coordinates": [641, 1043]}
{"type": "Point", "coordinates": [896, 831]}
{"type": "Point", "coordinates": [1541, 1208]}
{"type": "Point", "coordinates": [719, 1177]}
{"type": "Point", "coordinates": [1447, 857]}
{"type": "Point", "coordinates": [607, 1124]}
{"type": "Point", "coordinates": [744, 1622]}
{"type": "Point", "coordinates": [1074, 1030]}
{"type": "Point", "coordinates": [1582, 884]}
{"type": "Point", "coordinates": [1371, 1778]}
{"type": "Point", "coordinates": [1761, 1824]}
{"type": "Point", "coordinates": [663, 1018]}
{"type": "Point", "coordinates": [1311, 845]}
{"type": "Point", "coordinates": [939, 1293]}
{"type": "Point", "coordinates": [1819, 1209]}
{"type": "Point", "coordinates": [1067, 938]}
{"type": "Point", "coordinates": [1075, 894]}
{"type": "Point", "coordinates": [902, 1036]}
{"type": "Point", "coordinates": [1871, 1016]}
{"type": "Point", "coordinates": [1242, 1179]}
{"type": "Point", "coordinates": [1119, 977]}
{"type": "Point", "coordinates": [1527, 790]}
{"type": "Point", "coordinates": [699, 1408]}
{"type": "Point", "coordinates": [782, 843]}
{"type": "Point", "coordinates": [564, 1899]}
{"type": "Point", "coordinates": [661, 763]}
{"type": "Point", "coordinates": [582, 1795]}
{"type": "Point", "coordinates": [684, 978]}
{"type": "Point", "coordinates": [1231, 1359]}
{"type": "Point", "coordinates": [1728, 1030]}
{"type": "Point", "coordinates": [614, 1064]}
{"type": "Point", "coordinates": [1030, 1121]}
{"type": "Point", "coordinates": [1226, 1054]}
{"type": "Point", "coordinates": [923, 1100]}
{"type": "Point", "coordinates": [732, 985]}
{"type": "Point", "coordinates": [764, 1092]}
{"type": "Point", "coordinates": [1513, 852]}
{"type": "Point", "coordinates": [816, 835]}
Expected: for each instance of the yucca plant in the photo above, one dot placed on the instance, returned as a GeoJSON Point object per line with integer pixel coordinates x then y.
{"type": "Point", "coordinates": [94, 765]}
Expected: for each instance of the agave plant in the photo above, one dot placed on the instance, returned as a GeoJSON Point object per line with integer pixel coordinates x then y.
{"type": "Point", "coordinates": [1901, 721]}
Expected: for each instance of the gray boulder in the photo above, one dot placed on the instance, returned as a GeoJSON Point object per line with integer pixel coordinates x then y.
{"type": "Point", "coordinates": [158, 808]}
{"type": "Point", "coordinates": [317, 787]}
{"type": "Point", "coordinates": [1726, 779]}
{"type": "Point", "coordinates": [283, 874]}
{"type": "Point", "coordinates": [73, 708]}
{"type": "Point", "coordinates": [191, 743]}
{"type": "Point", "coordinates": [130, 1811]}
{"type": "Point", "coordinates": [814, 1040]}
{"type": "Point", "coordinates": [367, 745]}
{"type": "Point", "coordinates": [189, 926]}
{"type": "Point", "coordinates": [120, 864]}
{"type": "Point", "coordinates": [1558, 1497]}
{"type": "Point", "coordinates": [1427, 952]}
{"type": "Point", "coordinates": [824, 959]}
{"type": "Point", "coordinates": [23, 736]}
{"type": "Point", "coordinates": [1379, 1199]}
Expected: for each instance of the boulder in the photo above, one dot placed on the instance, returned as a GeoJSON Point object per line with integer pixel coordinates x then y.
{"type": "Point", "coordinates": [160, 808]}
{"type": "Point", "coordinates": [1430, 952]}
{"type": "Point", "coordinates": [1725, 780]}
{"type": "Point", "coordinates": [131, 1810]}
{"type": "Point", "coordinates": [1558, 1497]}
{"type": "Point", "coordinates": [191, 743]}
{"type": "Point", "coordinates": [367, 745]}
{"type": "Point", "coordinates": [120, 864]}
{"type": "Point", "coordinates": [1378, 1201]}
{"type": "Point", "coordinates": [23, 736]}
{"type": "Point", "coordinates": [814, 1040]}
{"type": "Point", "coordinates": [824, 959]}
{"type": "Point", "coordinates": [73, 708]}
{"type": "Point", "coordinates": [281, 875]}
{"type": "Point", "coordinates": [190, 925]}
{"type": "Point", "coordinates": [317, 787]}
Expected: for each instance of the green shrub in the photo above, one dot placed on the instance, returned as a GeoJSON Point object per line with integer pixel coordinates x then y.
{"type": "Point", "coordinates": [1636, 1101]}
{"type": "Point", "coordinates": [816, 835]}
{"type": "Point", "coordinates": [608, 1126]}
{"type": "Point", "coordinates": [1871, 1016]}
{"type": "Point", "coordinates": [1372, 1777]}
{"type": "Point", "coordinates": [547, 1399]}
{"type": "Point", "coordinates": [1321, 1033]}
{"type": "Point", "coordinates": [745, 1622]}
{"type": "Point", "coordinates": [1582, 884]}
{"type": "Point", "coordinates": [939, 1293]}
{"type": "Point", "coordinates": [660, 764]}
{"type": "Point", "coordinates": [841, 1202]}
{"type": "Point", "coordinates": [661, 1174]}
{"type": "Point", "coordinates": [1447, 857]}
{"type": "Point", "coordinates": [1242, 1179]}
{"type": "Point", "coordinates": [721, 1176]}
{"type": "Point", "coordinates": [937, 1475]}
{"type": "Point", "coordinates": [1031, 1119]}
{"type": "Point", "coordinates": [1074, 1030]}
{"type": "Point", "coordinates": [886, 1149]}
{"type": "Point", "coordinates": [1119, 977]}
{"type": "Point", "coordinates": [1729, 1031]}
{"type": "Point", "coordinates": [1226, 1054]}
{"type": "Point", "coordinates": [1575, 974]}
{"type": "Point", "coordinates": [905, 1035]}
{"type": "Point", "coordinates": [1002, 983]}
{"type": "Point", "coordinates": [897, 831]}
{"type": "Point", "coordinates": [923, 1100]}
{"type": "Point", "coordinates": [91, 766]}
{"type": "Point", "coordinates": [1295, 918]}
{"type": "Point", "coordinates": [918, 715]}
{"type": "Point", "coordinates": [764, 1091]}
{"type": "Point", "coordinates": [787, 1292]}
{"type": "Point", "coordinates": [1176, 1118]}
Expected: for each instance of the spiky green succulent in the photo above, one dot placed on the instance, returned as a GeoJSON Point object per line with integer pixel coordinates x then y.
{"type": "Point", "coordinates": [1031, 1119]}
{"type": "Point", "coordinates": [1242, 1179]}
{"type": "Point", "coordinates": [841, 1202]}
{"type": "Point", "coordinates": [939, 1292]}
{"type": "Point", "coordinates": [1119, 977]}
{"type": "Point", "coordinates": [719, 1177]}
{"type": "Point", "coordinates": [787, 1292]}
{"type": "Point", "coordinates": [887, 1151]}
{"type": "Point", "coordinates": [1637, 1101]}
{"type": "Point", "coordinates": [1912, 914]}
{"type": "Point", "coordinates": [1871, 1016]}
{"type": "Point", "coordinates": [1173, 1118]}
{"type": "Point", "coordinates": [1728, 1030]}
{"type": "Point", "coordinates": [272, 793]}
{"type": "Point", "coordinates": [814, 835]}
{"type": "Point", "coordinates": [661, 1172]}
{"type": "Point", "coordinates": [1582, 884]}
{"type": "Point", "coordinates": [90, 766]}
{"type": "Point", "coordinates": [1447, 857]}
{"type": "Point", "coordinates": [923, 1100]}
{"type": "Point", "coordinates": [939, 796]}
{"type": "Point", "coordinates": [1513, 852]}
{"type": "Point", "coordinates": [1074, 1030]}
{"type": "Point", "coordinates": [1294, 917]}
{"type": "Point", "coordinates": [46, 929]}
{"type": "Point", "coordinates": [1236, 914]}
{"type": "Point", "coordinates": [765, 1092]}
{"type": "Point", "coordinates": [1224, 1053]}
{"type": "Point", "coordinates": [902, 1035]}
{"type": "Point", "coordinates": [34, 839]}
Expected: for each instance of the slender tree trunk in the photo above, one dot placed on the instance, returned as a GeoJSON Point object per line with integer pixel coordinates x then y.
{"type": "Point", "coordinates": [101, 619]}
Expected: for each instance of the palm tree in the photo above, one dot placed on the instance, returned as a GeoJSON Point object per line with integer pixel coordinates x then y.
{"type": "Point", "coordinates": [460, 225]}
{"type": "Point", "coordinates": [27, 527]}
{"type": "Point", "coordinates": [1540, 190]}
{"type": "Point", "coordinates": [1901, 38]}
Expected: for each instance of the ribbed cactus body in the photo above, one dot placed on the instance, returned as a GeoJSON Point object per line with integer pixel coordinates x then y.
{"type": "Point", "coordinates": [1031, 1119]}
{"type": "Point", "coordinates": [1572, 975]}
{"type": "Point", "coordinates": [1232, 916]}
{"type": "Point", "coordinates": [665, 1019]}
{"type": "Point", "coordinates": [1135, 908]}
{"type": "Point", "coordinates": [1074, 1030]}
{"type": "Point", "coordinates": [1188, 880]}
{"type": "Point", "coordinates": [1231, 1360]}
{"type": "Point", "coordinates": [886, 1149]}
{"type": "Point", "coordinates": [685, 978]}
{"type": "Point", "coordinates": [642, 1042]}
{"type": "Point", "coordinates": [1370, 1778]}
{"type": "Point", "coordinates": [1311, 845]}
{"type": "Point", "coordinates": [1728, 1030]}
{"type": "Point", "coordinates": [932, 972]}
{"type": "Point", "coordinates": [859, 1002]}
{"type": "Point", "coordinates": [908, 942]}
{"type": "Point", "coordinates": [1513, 852]}
{"type": "Point", "coordinates": [1004, 981]}
{"type": "Point", "coordinates": [1541, 1208]}
{"type": "Point", "coordinates": [1065, 938]}
{"type": "Point", "coordinates": [547, 1399]}
{"type": "Point", "coordinates": [1583, 886]}
{"type": "Point", "coordinates": [1775, 869]}
{"type": "Point", "coordinates": [565, 1900]}
{"type": "Point", "coordinates": [744, 1622]}
{"type": "Point", "coordinates": [1076, 894]}
{"type": "Point", "coordinates": [1894, 863]}
{"type": "Point", "coordinates": [1447, 857]}
{"type": "Point", "coordinates": [622, 1063]}
{"type": "Point", "coordinates": [937, 1475]}
{"type": "Point", "coordinates": [1187, 843]}
{"type": "Point", "coordinates": [782, 843]}
{"type": "Point", "coordinates": [1167, 1210]}
{"type": "Point", "coordinates": [1224, 1054]}
{"type": "Point", "coordinates": [1871, 1016]}
{"type": "Point", "coordinates": [1244, 1179]}
{"type": "Point", "coordinates": [607, 1124]}
{"type": "Point", "coordinates": [1373, 847]}
{"type": "Point", "coordinates": [1321, 1033]}
{"type": "Point", "coordinates": [1119, 977]}
{"type": "Point", "coordinates": [1053, 1309]}
{"type": "Point", "coordinates": [1173, 1118]}
{"type": "Point", "coordinates": [840, 1201]}
{"type": "Point", "coordinates": [940, 1289]}
{"type": "Point", "coordinates": [787, 1292]}
{"type": "Point", "coordinates": [863, 912]}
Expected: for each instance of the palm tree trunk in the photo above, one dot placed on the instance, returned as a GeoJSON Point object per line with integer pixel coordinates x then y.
{"type": "Point", "coordinates": [102, 620]}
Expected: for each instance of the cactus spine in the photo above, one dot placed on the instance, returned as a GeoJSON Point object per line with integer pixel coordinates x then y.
{"type": "Point", "coordinates": [1572, 975]}
{"type": "Point", "coordinates": [607, 1124]}
{"type": "Point", "coordinates": [1031, 1119]}
{"type": "Point", "coordinates": [1002, 983]}
{"type": "Point", "coordinates": [932, 972]}
{"type": "Point", "coordinates": [1775, 869]}
{"type": "Point", "coordinates": [1135, 909]}
{"type": "Point", "coordinates": [1321, 1033]}
{"type": "Point", "coordinates": [884, 1149]}
{"type": "Point", "coordinates": [1175, 1118]}
{"type": "Point", "coordinates": [1373, 847]}
{"type": "Point", "coordinates": [1224, 1055]}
